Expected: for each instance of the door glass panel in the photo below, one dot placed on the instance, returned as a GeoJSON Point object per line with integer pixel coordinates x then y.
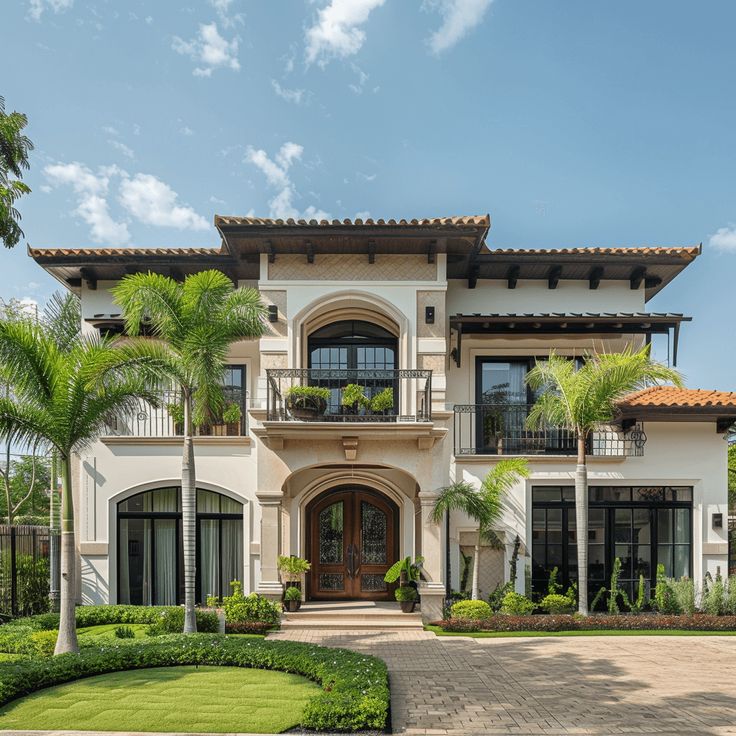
{"type": "Point", "coordinates": [331, 536]}
{"type": "Point", "coordinates": [209, 558]}
{"type": "Point", "coordinates": [682, 525]}
{"type": "Point", "coordinates": [664, 526]}
{"type": "Point", "coordinates": [165, 541]}
{"type": "Point", "coordinates": [232, 553]}
{"type": "Point", "coordinates": [371, 583]}
{"type": "Point", "coordinates": [503, 383]}
{"type": "Point", "coordinates": [331, 581]}
{"type": "Point", "coordinates": [373, 534]}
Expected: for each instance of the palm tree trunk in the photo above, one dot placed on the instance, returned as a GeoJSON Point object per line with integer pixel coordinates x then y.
{"type": "Point", "coordinates": [66, 641]}
{"type": "Point", "coordinates": [581, 525]}
{"type": "Point", "coordinates": [189, 518]}
{"type": "Point", "coordinates": [475, 594]}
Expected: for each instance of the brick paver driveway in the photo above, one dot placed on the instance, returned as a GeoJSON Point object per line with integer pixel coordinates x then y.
{"type": "Point", "coordinates": [572, 685]}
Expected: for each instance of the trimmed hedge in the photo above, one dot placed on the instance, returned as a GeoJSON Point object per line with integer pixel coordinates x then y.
{"type": "Point", "coordinates": [247, 627]}
{"type": "Point", "coordinates": [698, 622]}
{"type": "Point", "coordinates": [354, 697]}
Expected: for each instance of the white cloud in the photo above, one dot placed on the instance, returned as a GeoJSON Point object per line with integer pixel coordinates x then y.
{"type": "Point", "coordinates": [297, 96]}
{"type": "Point", "coordinates": [154, 202]}
{"type": "Point", "coordinates": [91, 190]}
{"type": "Point", "coordinates": [337, 32]}
{"type": "Point", "coordinates": [119, 146]}
{"type": "Point", "coordinates": [209, 50]}
{"type": "Point", "coordinates": [222, 7]}
{"type": "Point", "coordinates": [724, 239]}
{"type": "Point", "coordinates": [364, 215]}
{"type": "Point", "coordinates": [366, 177]}
{"type": "Point", "coordinates": [186, 130]}
{"type": "Point", "coordinates": [36, 8]}
{"type": "Point", "coordinates": [276, 171]}
{"type": "Point", "coordinates": [459, 17]}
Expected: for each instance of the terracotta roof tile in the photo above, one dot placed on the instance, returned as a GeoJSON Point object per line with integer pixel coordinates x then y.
{"type": "Point", "coordinates": [679, 398]}
{"type": "Point", "coordinates": [688, 252]}
{"type": "Point", "coordinates": [472, 220]}
{"type": "Point", "coordinates": [142, 252]}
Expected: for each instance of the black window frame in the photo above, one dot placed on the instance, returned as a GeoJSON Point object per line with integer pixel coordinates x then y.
{"type": "Point", "coordinates": [566, 504]}
{"type": "Point", "coordinates": [176, 515]}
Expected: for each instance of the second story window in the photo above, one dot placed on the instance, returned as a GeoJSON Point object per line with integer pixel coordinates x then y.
{"type": "Point", "coordinates": [352, 345]}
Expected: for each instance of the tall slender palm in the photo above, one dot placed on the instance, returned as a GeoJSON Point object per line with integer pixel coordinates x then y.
{"type": "Point", "coordinates": [483, 505]}
{"type": "Point", "coordinates": [61, 397]}
{"type": "Point", "coordinates": [580, 400]}
{"type": "Point", "coordinates": [197, 320]}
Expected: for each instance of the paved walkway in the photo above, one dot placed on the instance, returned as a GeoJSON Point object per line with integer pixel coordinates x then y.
{"type": "Point", "coordinates": [552, 686]}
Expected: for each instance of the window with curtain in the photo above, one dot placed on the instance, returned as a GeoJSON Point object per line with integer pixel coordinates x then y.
{"type": "Point", "coordinates": [150, 547]}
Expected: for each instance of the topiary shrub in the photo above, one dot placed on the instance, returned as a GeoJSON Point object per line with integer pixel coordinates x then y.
{"type": "Point", "coordinates": [556, 603]}
{"type": "Point", "coordinates": [241, 608]}
{"type": "Point", "coordinates": [171, 621]}
{"type": "Point", "coordinates": [470, 610]}
{"type": "Point", "coordinates": [354, 695]}
{"type": "Point", "coordinates": [516, 604]}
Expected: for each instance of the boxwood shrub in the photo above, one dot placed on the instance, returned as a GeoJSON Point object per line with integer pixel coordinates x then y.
{"type": "Point", "coordinates": [698, 622]}
{"type": "Point", "coordinates": [354, 696]}
{"type": "Point", "coordinates": [470, 610]}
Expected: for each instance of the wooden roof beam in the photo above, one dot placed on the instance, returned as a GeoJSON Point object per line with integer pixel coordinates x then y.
{"type": "Point", "coordinates": [594, 280]}
{"type": "Point", "coordinates": [310, 251]}
{"type": "Point", "coordinates": [553, 277]}
{"type": "Point", "coordinates": [89, 277]}
{"type": "Point", "coordinates": [637, 276]}
{"type": "Point", "coordinates": [372, 251]}
{"type": "Point", "coordinates": [513, 276]}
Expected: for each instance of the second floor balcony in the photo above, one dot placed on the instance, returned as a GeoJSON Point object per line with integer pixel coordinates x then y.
{"type": "Point", "coordinates": [342, 395]}
{"type": "Point", "coordinates": [501, 429]}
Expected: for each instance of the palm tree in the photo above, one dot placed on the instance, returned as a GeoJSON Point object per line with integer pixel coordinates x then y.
{"type": "Point", "coordinates": [14, 150]}
{"type": "Point", "coordinates": [483, 505]}
{"type": "Point", "coordinates": [580, 400]}
{"type": "Point", "coordinates": [61, 397]}
{"type": "Point", "coordinates": [197, 320]}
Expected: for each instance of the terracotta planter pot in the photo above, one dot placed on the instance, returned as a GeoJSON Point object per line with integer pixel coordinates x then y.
{"type": "Point", "coordinates": [306, 408]}
{"type": "Point", "coordinates": [407, 606]}
{"type": "Point", "coordinates": [292, 606]}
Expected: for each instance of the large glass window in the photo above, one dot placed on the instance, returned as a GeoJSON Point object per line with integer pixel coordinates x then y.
{"type": "Point", "coordinates": [150, 548]}
{"type": "Point", "coordinates": [642, 526]}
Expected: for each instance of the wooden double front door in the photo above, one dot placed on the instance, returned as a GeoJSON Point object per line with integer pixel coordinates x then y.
{"type": "Point", "coordinates": [352, 539]}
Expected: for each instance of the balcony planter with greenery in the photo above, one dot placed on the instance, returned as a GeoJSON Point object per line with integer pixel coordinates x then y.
{"type": "Point", "coordinates": [307, 402]}
{"type": "Point", "coordinates": [383, 402]}
{"type": "Point", "coordinates": [176, 412]}
{"type": "Point", "coordinates": [353, 399]}
{"type": "Point", "coordinates": [407, 596]}
{"type": "Point", "coordinates": [293, 598]}
{"type": "Point", "coordinates": [231, 417]}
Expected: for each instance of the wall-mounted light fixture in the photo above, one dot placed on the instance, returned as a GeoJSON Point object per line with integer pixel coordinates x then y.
{"type": "Point", "coordinates": [273, 313]}
{"type": "Point", "coordinates": [429, 315]}
{"type": "Point", "coordinates": [718, 521]}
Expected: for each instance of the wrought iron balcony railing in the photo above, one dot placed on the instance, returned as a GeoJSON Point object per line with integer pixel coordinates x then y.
{"type": "Point", "coordinates": [166, 419]}
{"type": "Point", "coordinates": [327, 395]}
{"type": "Point", "coordinates": [500, 429]}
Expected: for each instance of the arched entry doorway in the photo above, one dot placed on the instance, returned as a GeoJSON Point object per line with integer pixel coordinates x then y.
{"type": "Point", "coordinates": [352, 539]}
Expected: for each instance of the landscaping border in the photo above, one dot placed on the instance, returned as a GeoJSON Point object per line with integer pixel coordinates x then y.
{"type": "Point", "coordinates": [595, 622]}
{"type": "Point", "coordinates": [355, 692]}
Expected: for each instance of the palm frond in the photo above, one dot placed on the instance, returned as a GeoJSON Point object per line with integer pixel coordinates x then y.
{"type": "Point", "coordinates": [29, 359]}
{"type": "Point", "coordinates": [244, 314]}
{"type": "Point", "coordinates": [62, 315]}
{"type": "Point", "coordinates": [459, 496]}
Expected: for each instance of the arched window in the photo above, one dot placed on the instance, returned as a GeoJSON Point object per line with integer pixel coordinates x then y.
{"type": "Point", "coordinates": [151, 553]}
{"type": "Point", "coordinates": [352, 345]}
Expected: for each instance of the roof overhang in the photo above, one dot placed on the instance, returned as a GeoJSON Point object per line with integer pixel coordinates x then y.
{"type": "Point", "coordinates": [649, 267]}
{"type": "Point", "coordinates": [582, 323]}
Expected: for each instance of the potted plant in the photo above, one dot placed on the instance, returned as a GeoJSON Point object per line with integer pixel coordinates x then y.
{"type": "Point", "coordinates": [307, 402]}
{"type": "Point", "coordinates": [407, 596]}
{"type": "Point", "coordinates": [231, 417]}
{"type": "Point", "coordinates": [353, 399]}
{"type": "Point", "coordinates": [383, 401]}
{"type": "Point", "coordinates": [293, 597]}
{"type": "Point", "coordinates": [292, 569]}
{"type": "Point", "coordinates": [176, 412]}
{"type": "Point", "coordinates": [405, 571]}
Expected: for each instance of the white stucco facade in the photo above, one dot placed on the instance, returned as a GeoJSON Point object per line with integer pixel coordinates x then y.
{"type": "Point", "coordinates": [278, 469]}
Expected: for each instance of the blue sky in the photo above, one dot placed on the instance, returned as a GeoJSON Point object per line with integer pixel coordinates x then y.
{"type": "Point", "coordinates": [573, 123]}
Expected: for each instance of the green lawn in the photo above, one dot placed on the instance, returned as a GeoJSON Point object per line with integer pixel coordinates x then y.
{"type": "Point", "coordinates": [104, 633]}
{"type": "Point", "coordinates": [605, 632]}
{"type": "Point", "coordinates": [187, 699]}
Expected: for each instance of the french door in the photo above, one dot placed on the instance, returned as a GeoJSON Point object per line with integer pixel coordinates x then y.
{"type": "Point", "coordinates": [352, 541]}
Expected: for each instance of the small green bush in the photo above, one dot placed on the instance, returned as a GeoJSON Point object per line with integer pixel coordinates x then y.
{"type": "Point", "coordinates": [383, 400]}
{"type": "Point", "coordinates": [714, 598]}
{"type": "Point", "coordinates": [171, 621]}
{"type": "Point", "coordinates": [516, 604]}
{"type": "Point", "coordinates": [684, 595]}
{"type": "Point", "coordinates": [731, 596]}
{"type": "Point", "coordinates": [43, 643]}
{"type": "Point", "coordinates": [354, 695]}
{"type": "Point", "coordinates": [495, 599]}
{"type": "Point", "coordinates": [470, 610]}
{"type": "Point", "coordinates": [124, 632]}
{"type": "Point", "coordinates": [555, 603]}
{"type": "Point", "coordinates": [664, 596]}
{"type": "Point", "coordinates": [241, 608]}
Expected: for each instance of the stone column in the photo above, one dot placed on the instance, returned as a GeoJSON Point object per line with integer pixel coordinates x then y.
{"type": "Point", "coordinates": [270, 585]}
{"type": "Point", "coordinates": [432, 589]}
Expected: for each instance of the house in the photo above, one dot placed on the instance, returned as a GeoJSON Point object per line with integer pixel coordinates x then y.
{"type": "Point", "coordinates": [444, 329]}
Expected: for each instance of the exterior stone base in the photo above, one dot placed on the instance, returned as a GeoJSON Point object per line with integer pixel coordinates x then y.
{"type": "Point", "coordinates": [433, 599]}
